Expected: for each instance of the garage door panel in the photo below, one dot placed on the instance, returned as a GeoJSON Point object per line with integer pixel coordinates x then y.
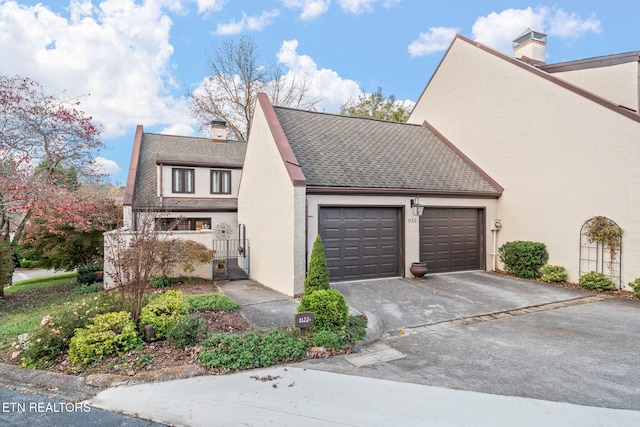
{"type": "Point", "coordinates": [368, 244]}
{"type": "Point", "coordinates": [450, 239]}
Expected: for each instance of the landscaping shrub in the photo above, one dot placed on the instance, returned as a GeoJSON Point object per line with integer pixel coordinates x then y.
{"type": "Point", "coordinates": [188, 330]}
{"type": "Point", "coordinates": [211, 302]}
{"type": "Point", "coordinates": [329, 308]}
{"type": "Point", "coordinates": [595, 281]}
{"type": "Point", "coordinates": [553, 273]}
{"type": "Point", "coordinates": [106, 334]}
{"type": "Point", "coordinates": [326, 339]}
{"type": "Point", "coordinates": [231, 352]}
{"type": "Point", "coordinates": [51, 339]}
{"type": "Point", "coordinates": [635, 285]}
{"type": "Point", "coordinates": [318, 274]}
{"type": "Point", "coordinates": [523, 258]}
{"type": "Point", "coordinates": [163, 311]}
{"type": "Point", "coordinates": [87, 273]}
{"type": "Point", "coordinates": [88, 289]}
{"type": "Point", "coordinates": [160, 282]}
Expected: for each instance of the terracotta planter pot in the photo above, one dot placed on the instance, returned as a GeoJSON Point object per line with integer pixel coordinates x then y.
{"type": "Point", "coordinates": [418, 269]}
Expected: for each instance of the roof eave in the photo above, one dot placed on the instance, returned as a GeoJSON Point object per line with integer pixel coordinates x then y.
{"type": "Point", "coordinates": [369, 191]}
{"type": "Point", "coordinates": [282, 143]}
{"type": "Point", "coordinates": [133, 167]}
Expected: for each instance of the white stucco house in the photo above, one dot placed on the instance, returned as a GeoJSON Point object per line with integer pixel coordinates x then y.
{"type": "Point", "coordinates": [498, 148]}
{"type": "Point", "coordinates": [191, 181]}
{"type": "Point", "coordinates": [562, 139]}
{"type": "Point", "coordinates": [352, 181]}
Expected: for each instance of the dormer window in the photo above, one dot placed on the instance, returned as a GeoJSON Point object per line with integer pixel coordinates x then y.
{"type": "Point", "coordinates": [182, 180]}
{"type": "Point", "coordinates": [220, 182]}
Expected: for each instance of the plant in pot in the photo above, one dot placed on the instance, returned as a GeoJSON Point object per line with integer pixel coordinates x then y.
{"type": "Point", "coordinates": [220, 265]}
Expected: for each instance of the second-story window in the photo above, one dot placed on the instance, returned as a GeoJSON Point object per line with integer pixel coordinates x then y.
{"type": "Point", "coordinates": [182, 180]}
{"type": "Point", "coordinates": [220, 182]}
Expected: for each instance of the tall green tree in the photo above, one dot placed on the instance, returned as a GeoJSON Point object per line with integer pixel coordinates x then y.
{"type": "Point", "coordinates": [376, 106]}
{"type": "Point", "coordinates": [318, 273]}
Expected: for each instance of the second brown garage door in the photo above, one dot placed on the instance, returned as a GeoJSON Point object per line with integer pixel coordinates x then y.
{"type": "Point", "coordinates": [361, 242]}
{"type": "Point", "coordinates": [451, 239]}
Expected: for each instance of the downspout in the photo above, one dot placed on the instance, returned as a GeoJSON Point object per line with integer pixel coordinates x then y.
{"type": "Point", "coordinates": [160, 165]}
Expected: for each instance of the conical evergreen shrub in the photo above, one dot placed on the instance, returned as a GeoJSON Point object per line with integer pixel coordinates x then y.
{"type": "Point", "coordinates": [318, 273]}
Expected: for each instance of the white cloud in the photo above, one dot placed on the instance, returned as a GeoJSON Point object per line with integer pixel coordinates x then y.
{"type": "Point", "coordinates": [205, 6]}
{"type": "Point", "coordinates": [357, 6]}
{"type": "Point", "coordinates": [499, 29]}
{"type": "Point", "coordinates": [311, 9]}
{"type": "Point", "coordinates": [436, 40]}
{"type": "Point", "coordinates": [326, 84]}
{"type": "Point", "coordinates": [252, 23]}
{"type": "Point", "coordinates": [106, 166]}
{"type": "Point", "coordinates": [118, 52]}
{"type": "Point", "coordinates": [181, 129]}
{"type": "Point", "coordinates": [570, 26]}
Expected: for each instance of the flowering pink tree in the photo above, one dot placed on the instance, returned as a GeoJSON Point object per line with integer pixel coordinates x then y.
{"type": "Point", "coordinates": [42, 138]}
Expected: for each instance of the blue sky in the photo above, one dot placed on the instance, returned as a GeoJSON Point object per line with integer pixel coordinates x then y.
{"type": "Point", "coordinates": [133, 61]}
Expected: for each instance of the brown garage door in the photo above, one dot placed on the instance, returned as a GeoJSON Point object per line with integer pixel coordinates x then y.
{"type": "Point", "coordinates": [451, 239]}
{"type": "Point", "coordinates": [361, 242]}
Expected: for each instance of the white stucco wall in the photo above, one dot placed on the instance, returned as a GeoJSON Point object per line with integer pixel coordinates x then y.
{"type": "Point", "coordinates": [617, 83]}
{"type": "Point", "coordinates": [561, 157]}
{"type": "Point", "coordinates": [202, 182]}
{"type": "Point", "coordinates": [410, 224]}
{"type": "Point", "coordinates": [119, 239]}
{"type": "Point", "coordinates": [272, 210]}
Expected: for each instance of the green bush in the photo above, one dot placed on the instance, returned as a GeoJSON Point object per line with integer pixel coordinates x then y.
{"type": "Point", "coordinates": [231, 352]}
{"type": "Point", "coordinates": [329, 308]}
{"type": "Point", "coordinates": [51, 339]}
{"type": "Point", "coordinates": [87, 273]}
{"type": "Point", "coordinates": [107, 333]}
{"type": "Point", "coordinates": [160, 282]}
{"type": "Point", "coordinates": [25, 263]}
{"type": "Point", "coordinates": [326, 339]}
{"type": "Point", "coordinates": [188, 330]}
{"type": "Point", "coordinates": [553, 273]}
{"type": "Point", "coordinates": [635, 285]}
{"type": "Point", "coordinates": [318, 274]}
{"type": "Point", "coordinates": [595, 281]}
{"type": "Point", "coordinates": [88, 289]}
{"type": "Point", "coordinates": [163, 311]}
{"type": "Point", "coordinates": [523, 258]}
{"type": "Point", "coordinates": [211, 302]}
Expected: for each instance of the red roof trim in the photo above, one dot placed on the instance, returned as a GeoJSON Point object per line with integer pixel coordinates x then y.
{"type": "Point", "coordinates": [133, 167]}
{"type": "Point", "coordinates": [284, 148]}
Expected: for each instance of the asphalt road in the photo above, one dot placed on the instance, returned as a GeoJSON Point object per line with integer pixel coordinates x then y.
{"type": "Point", "coordinates": [22, 409]}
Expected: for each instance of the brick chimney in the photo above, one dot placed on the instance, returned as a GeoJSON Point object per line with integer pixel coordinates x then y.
{"type": "Point", "coordinates": [531, 47]}
{"type": "Point", "coordinates": [219, 130]}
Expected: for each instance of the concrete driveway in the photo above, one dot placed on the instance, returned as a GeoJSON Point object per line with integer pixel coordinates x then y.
{"type": "Point", "coordinates": [489, 333]}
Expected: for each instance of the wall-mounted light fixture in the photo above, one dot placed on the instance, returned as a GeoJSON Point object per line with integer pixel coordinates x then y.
{"type": "Point", "coordinates": [416, 207]}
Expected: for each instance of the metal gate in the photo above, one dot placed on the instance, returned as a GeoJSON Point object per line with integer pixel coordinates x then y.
{"type": "Point", "coordinates": [595, 256]}
{"type": "Point", "coordinates": [231, 259]}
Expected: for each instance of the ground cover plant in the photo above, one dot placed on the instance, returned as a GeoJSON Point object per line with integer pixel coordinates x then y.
{"type": "Point", "coordinates": [86, 333]}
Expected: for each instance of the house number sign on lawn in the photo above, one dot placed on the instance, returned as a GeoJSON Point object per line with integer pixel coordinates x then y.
{"type": "Point", "coordinates": [303, 320]}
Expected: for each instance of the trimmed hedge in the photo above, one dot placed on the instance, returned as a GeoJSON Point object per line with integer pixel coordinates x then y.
{"type": "Point", "coordinates": [523, 258]}
{"type": "Point", "coordinates": [330, 310]}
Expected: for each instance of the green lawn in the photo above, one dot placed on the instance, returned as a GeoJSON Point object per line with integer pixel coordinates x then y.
{"type": "Point", "coordinates": [28, 301]}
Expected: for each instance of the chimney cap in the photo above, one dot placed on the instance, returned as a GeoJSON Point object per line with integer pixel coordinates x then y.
{"type": "Point", "coordinates": [530, 34]}
{"type": "Point", "coordinates": [218, 123]}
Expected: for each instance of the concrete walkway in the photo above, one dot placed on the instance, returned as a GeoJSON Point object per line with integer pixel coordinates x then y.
{"type": "Point", "coordinates": [303, 397]}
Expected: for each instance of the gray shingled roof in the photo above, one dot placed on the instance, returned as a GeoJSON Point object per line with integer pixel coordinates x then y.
{"type": "Point", "coordinates": [342, 151]}
{"type": "Point", "coordinates": [167, 148]}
